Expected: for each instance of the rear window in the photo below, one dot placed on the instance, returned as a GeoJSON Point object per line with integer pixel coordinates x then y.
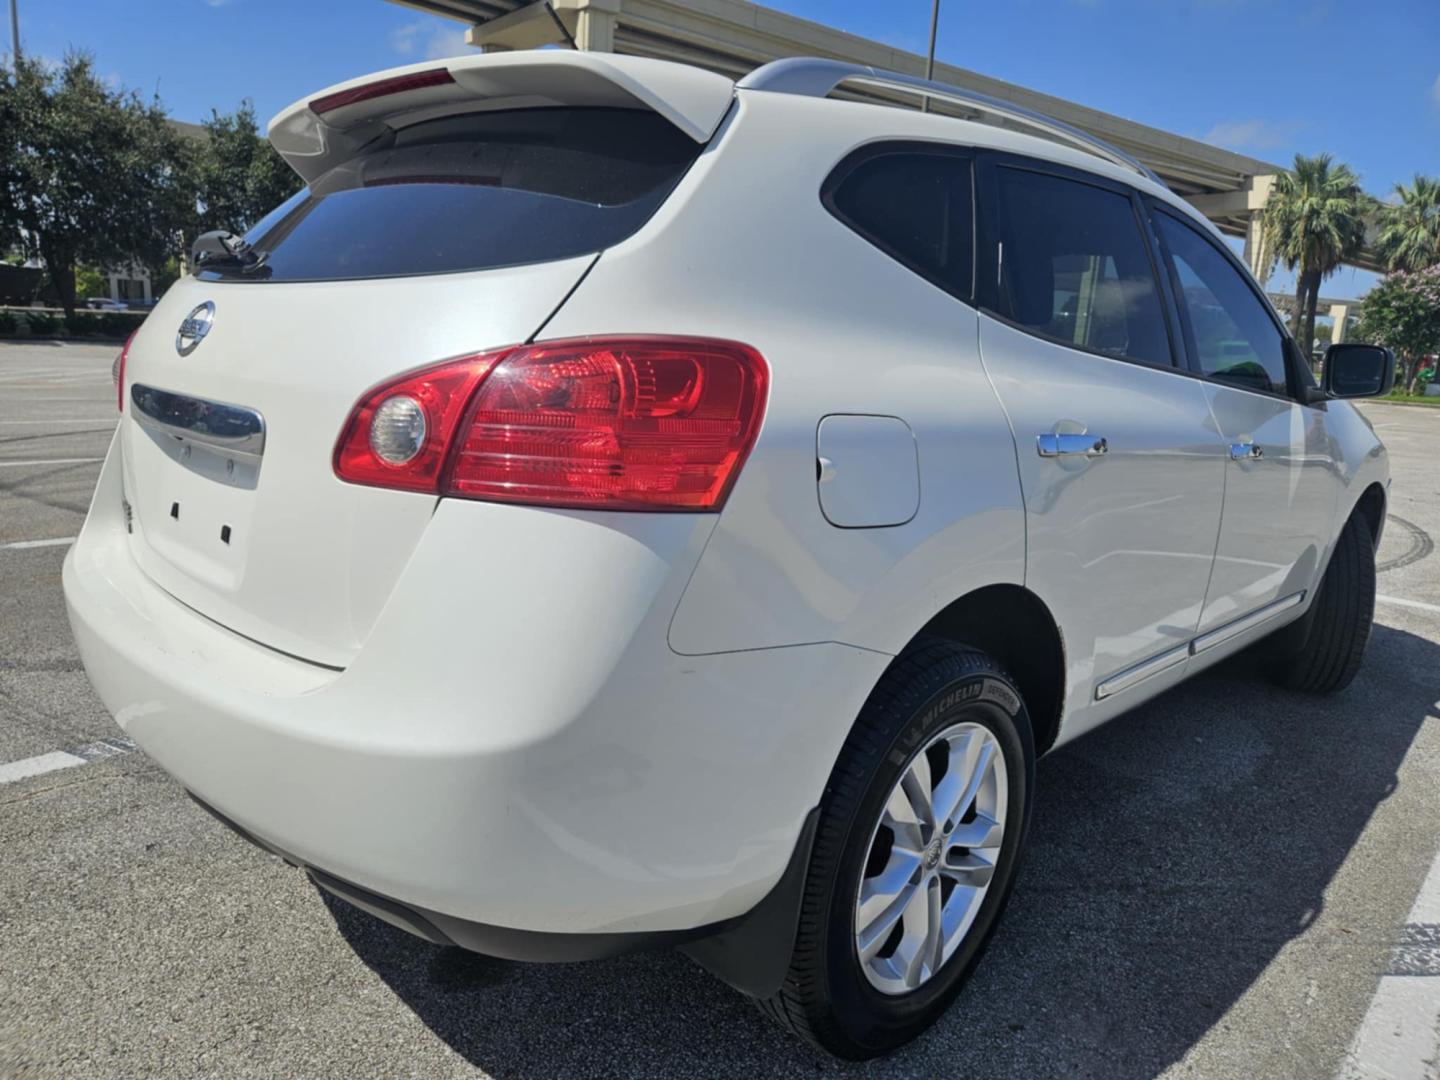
{"type": "Point", "coordinates": [474, 192]}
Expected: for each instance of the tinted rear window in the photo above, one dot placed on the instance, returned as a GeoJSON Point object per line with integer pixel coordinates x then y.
{"type": "Point", "coordinates": [475, 192]}
{"type": "Point", "coordinates": [916, 204]}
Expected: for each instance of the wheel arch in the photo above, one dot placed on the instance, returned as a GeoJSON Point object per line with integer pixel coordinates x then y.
{"type": "Point", "coordinates": [1371, 505]}
{"type": "Point", "coordinates": [1014, 626]}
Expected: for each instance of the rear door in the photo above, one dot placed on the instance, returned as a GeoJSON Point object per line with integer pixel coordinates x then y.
{"type": "Point", "coordinates": [1282, 483]}
{"type": "Point", "coordinates": [1121, 467]}
{"type": "Point", "coordinates": [447, 237]}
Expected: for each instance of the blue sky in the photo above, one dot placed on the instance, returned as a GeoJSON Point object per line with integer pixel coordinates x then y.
{"type": "Point", "coordinates": [1268, 78]}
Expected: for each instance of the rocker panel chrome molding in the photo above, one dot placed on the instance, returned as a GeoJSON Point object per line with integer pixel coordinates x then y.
{"type": "Point", "coordinates": [1132, 676]}
{"type": "Point", "coordinates": [1124, 680]}
{"type": "Point", "coordinates": [1236, 627]}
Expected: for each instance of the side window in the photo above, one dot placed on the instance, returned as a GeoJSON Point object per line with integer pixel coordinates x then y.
{"type": "Point", "coordinates": [1231, 333]}
{"type": "Point", "coordinates": [1075, 267]}
{"type": "Point", "coordinates": [917, 206]}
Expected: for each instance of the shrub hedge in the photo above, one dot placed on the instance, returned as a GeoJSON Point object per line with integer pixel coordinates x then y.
{"type": "Point", "coordinates": [40, 324]}
{"type": "Point", "coordinates": [33, 322]}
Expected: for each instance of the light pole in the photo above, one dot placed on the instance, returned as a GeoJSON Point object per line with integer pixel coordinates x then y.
{"type": "Point", "coordinates": [929, 58]}
{"type": "Point", "coordinates": [15, 32]}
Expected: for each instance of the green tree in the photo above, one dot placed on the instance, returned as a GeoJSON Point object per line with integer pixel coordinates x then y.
{"type": "Point", "coordinates": [87, 174]}
{"type": "Point", "coordinates": [1314, 222]}
{"type": "Point", "coordinates": [89, 282]}
{"type": "Point", "coordinates": [165, 275]}
{"type": "Point", "coordinates": [238, 176]}
{"type": "Point", "coordinates": [1403, 312]}
{"type": "Point", "coordinates": [1410, 229]}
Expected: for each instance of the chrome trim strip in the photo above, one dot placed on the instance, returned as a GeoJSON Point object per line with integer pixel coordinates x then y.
{"type": "Point", "coordinates": [1236, 627]}
{"type": "Point", "coordinates": [812, 76]}
{"type": "Point", "coordinates": [1131, 676]}
{"type": "Point", "coordinates": [230, 429]}
{"type": "Point", "coordinates": [1124, 680]}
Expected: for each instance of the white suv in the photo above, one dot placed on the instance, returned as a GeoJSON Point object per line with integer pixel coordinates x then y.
{"type": "Point", "coordinates": [612, 506]}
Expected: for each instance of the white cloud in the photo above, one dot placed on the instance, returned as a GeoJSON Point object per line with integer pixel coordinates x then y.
{"type": "Point", "coordinates": [1250, 134]}
{"type": "Point", "coordinates": [1435, 93]}
{"type": "Point", "coordinates": [430, 39]}
{"type": "Point", "coordinates": [402, 38]}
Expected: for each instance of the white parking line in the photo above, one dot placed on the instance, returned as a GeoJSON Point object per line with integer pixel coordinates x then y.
{"type": "Point", "coordinates": [1417, 604]}
{"type": "Point", "coordinates": [52, 461]}
{"type": "Point", "coordinates": [1400, 1036]}
{"type": "Point", "coordinates": [23, 379]}
{"type": "Point", "coordinates": [20, 545]}
{"type": "Point", "coordinates": [64, 759]}
{"type": "Point", "coordinates": [19, 770]}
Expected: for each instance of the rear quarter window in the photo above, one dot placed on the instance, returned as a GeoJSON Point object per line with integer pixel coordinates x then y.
{"type": "Point", "coordinates": [475, 192]}
{"type": "Point", "coordinates": [916, 203]}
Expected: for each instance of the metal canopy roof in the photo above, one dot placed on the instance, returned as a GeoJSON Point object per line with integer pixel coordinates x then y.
{"type": "Point", "coordinates": [734, 37]}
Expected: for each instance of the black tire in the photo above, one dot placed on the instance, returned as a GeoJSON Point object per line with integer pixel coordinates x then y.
{"type": "Point", "coordinates": [826, 998]}
{"type": "Point", "coordinates": [1338, 628]}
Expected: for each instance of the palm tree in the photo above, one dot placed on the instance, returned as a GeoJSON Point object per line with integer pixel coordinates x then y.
{"type": "Point", "coordinates": [1314, 221]}
{"type": "Point", "coordinates": [1410, 229]}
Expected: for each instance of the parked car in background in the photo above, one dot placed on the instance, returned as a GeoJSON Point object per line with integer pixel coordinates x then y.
{"type": "Point", "coordinates": [101, 303]}
{"type": "Point", "coordinates": [615, 507]}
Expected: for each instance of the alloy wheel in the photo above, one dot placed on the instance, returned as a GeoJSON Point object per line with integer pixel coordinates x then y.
{"type": "Point", "coordinates": [931, 858]}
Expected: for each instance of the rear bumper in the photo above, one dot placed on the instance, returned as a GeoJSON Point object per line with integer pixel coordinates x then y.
{"type": "Point", "coordinates": [515, 746]}
{"type": "Point", "coordinates": [751, 952]}
{"type": "Point", "coordinates": [532, 946]}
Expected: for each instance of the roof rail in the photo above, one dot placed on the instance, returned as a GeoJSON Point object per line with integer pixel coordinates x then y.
{"type": "Point", "coordinates": [813, 76]}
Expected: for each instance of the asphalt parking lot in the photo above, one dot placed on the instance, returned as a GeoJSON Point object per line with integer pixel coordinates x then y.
{"type": "Point", "coordinates": [1220, 884]}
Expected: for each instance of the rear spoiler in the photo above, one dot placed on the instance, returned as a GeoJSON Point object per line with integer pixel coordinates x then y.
{"type": "Point", "coordinates": [326, 129]}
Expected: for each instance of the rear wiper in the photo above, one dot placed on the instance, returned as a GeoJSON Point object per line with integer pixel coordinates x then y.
{"type": "Point", "coordinates": [218, 248]}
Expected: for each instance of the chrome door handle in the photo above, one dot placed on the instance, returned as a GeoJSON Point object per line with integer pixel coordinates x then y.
{"type": "Point", "coordinates": [1245, 451]}
{"type": "Point", "coordinates": [1051, 444]}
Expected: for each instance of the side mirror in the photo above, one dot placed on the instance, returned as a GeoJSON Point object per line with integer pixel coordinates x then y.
{"type": "Point", "coordinates": [1356, 371]}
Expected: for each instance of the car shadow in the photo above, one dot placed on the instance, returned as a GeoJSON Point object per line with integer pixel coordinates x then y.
{"type": "Point", "coordinates": [1174, 852]}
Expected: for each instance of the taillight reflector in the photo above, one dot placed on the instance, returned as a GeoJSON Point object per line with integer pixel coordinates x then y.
{"type": "Point", "coordinates": [634, 423]}
{"type": "Point", "coordinates": [442, 390]}
{"type": "Point", "coordinates": [380, 88]}
{"type": "Point", "coordinates": [117, 371]}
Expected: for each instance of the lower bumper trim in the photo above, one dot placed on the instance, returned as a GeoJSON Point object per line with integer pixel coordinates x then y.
{"type": "Point", "coordinates": [750, 952]}
{"type": "Point", "coordinates": [506, 943]}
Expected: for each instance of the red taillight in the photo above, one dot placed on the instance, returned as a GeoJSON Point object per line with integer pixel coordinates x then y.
{"type": "Point", "coordinates": [117, 371]}
{"type": "Point", "coordinates": [636, 423]}
{"type": "Point", "coordinates": [380, 88]}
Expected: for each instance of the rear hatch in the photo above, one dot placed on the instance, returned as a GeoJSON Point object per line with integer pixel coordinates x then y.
{"type": "Point", "coordinates": [453, 227]}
